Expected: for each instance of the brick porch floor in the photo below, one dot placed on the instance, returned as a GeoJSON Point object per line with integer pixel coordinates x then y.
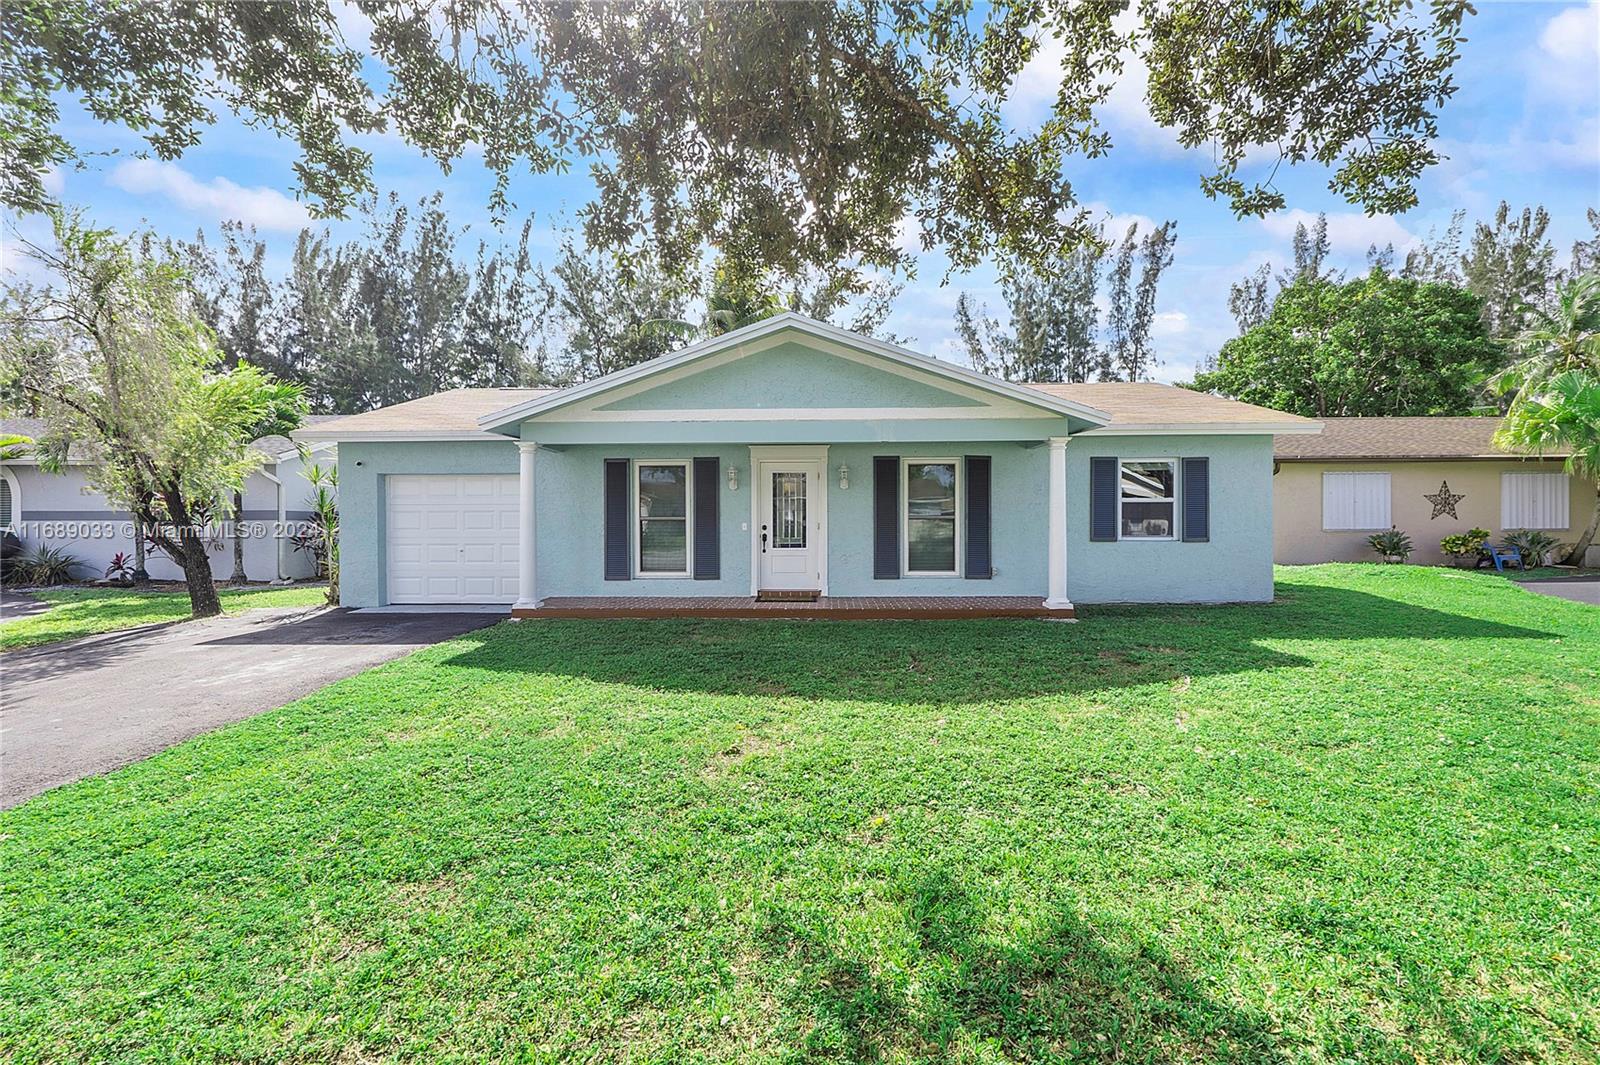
{"type": "Point", "coordinates": [862, 608]}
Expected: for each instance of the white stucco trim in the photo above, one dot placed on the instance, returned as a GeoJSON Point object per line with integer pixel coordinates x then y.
{"type": "Point", "coordinates": [793, 414]}
{"type": "Point", "coordinates": [742, 342]}
{"type": "Point", "coordinates": [1208, 429]}
{"type": "Point", "coordinates": [16, 499]}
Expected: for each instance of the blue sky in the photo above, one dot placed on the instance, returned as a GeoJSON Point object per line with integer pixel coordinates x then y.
{"type": "Point", "coordinates": [1524, 126]}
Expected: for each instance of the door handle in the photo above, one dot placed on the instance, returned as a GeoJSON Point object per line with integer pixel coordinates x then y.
{"type": "Point", "coordinates": [763, 539]}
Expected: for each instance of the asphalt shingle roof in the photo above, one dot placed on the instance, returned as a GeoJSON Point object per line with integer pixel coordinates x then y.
{"type": "Point", "coordinates": [1396, 438]}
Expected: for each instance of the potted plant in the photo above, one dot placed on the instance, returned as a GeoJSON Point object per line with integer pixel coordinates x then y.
{"type": "Point", "coordinates": [1392, 545]}
{"type": "Point", "coordinates": [1537, 548]}
{"type": "Point", "coordinates": [1465, 548]}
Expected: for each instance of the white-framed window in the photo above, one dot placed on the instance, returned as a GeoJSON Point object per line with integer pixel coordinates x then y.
{"type": "Point", "coordinates": [932, 517]}
{"type": "Point", "coordinates": [662, 530]}
{"type": "Point", "coordinates": [1535, 501]}
{"type": "Point", "coordinates": [1355, 502]}
{"type": "Point", "coordinates": [1147, 499]}
{"type": "Point", "coordinates": [10, 501]}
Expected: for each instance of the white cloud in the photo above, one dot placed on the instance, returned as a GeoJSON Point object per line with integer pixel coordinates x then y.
{"type": "Point", "coordinates": [1565, 63]}
{"type": "Point", "coordinates": [1349, 233]}
{"type": "Point", "coordinates": [1117, 224]}
{"type": "Point", "coordinates": [1169, 324]}
{"type": "Point", "coordinates": [1125, 113]}
{"type": "Point", "coordinates": [218, 198]}
{"type": "Point", "coordinates": [354, 26]}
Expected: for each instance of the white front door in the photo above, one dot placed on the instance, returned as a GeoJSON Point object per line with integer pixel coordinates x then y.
{"type": "Point", "coordinates": [790, 531]}
{"type": "Point", "coordinates": [452, 538]}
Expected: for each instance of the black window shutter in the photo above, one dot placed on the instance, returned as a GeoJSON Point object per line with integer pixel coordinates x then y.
{"type": "Point", "coordinates": [980, 560]}
{"type": "Point", "coordinates": [886, 517]}
{"type": "Point", "coordinates": [1103, 476]}
{"type": "Point", "coordinates": [1196, 500]}
{"type": "Point", "coordinates": [618, 566]}
{"type": "Point", "coordinates": [707, 525]}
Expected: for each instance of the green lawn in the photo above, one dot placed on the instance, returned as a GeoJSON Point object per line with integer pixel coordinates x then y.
{"type": "Point", "coordinates": [1362, 823]}
{"type": "Point", "coordinates": [76, 612]}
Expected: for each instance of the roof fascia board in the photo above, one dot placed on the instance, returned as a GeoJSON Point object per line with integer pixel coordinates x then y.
{"type": "Point", "coordinates": [1208, 429]}
{"type": "Point", "coordinates": [397, 435]}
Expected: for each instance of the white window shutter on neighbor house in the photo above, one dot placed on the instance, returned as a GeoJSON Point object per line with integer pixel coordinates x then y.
{"type": "Point", "coordinates": [1534, 501]}
{"type": "Point", "coordinates": [1355, 501]}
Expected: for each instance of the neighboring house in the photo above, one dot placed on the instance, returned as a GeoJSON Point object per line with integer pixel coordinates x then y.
{"type": "Point", "coordinates": [1429, 477]}
{"type": "Point", "coordinates": [61, 510]}
{"type": "Point", "coordinates": [791, 457]}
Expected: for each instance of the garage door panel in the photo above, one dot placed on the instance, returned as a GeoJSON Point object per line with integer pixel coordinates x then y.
{"type": "Point", "coordinates": [405, 553]}
{"type": "Point", "coordinates": [452, 538]}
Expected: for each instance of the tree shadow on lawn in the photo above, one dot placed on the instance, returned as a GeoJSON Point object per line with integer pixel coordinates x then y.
{"type": "Point", "coordinates": [1063, 992]}
{"type": "Point", "coordinates": [963, 661]}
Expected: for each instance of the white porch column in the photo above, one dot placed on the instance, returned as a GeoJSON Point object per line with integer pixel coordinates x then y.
{"type": "Point", "coordinates": [1058, 525]}
{"type": "Point", "coordinates": [527, 572]}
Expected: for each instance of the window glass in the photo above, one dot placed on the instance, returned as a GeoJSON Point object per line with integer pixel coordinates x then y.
{"type": "Point", "coordinates": [931, 517]}
{"type": "Point", "coordinates": [1148, 508]}
{"type": "Point", "coordinates": [663, 518]}
{"type": "Point", "coordinates": [788, 510]}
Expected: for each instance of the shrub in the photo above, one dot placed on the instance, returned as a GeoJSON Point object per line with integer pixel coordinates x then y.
{"type": "Point", "coordinates": [1392, 545]}
{"type": "Point", "coordinates": [1535, 546]}
{"type": "Point", "coordinates": [120, 568]}
{"type": "Point", "coordinates": [1467, 545]}
{"type": "Point", "coordinates": [45, 565]}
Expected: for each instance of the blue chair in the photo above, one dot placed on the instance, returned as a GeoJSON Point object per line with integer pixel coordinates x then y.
{"type": "Point", "coordinates": [1503, 555]}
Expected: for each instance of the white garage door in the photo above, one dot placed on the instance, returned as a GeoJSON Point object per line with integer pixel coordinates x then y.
{"type": "Point", "coordinates": [452, 538]}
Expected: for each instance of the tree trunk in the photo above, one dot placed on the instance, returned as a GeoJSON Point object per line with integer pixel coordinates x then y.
{"type": "Point", "coordinates": [238, 541]}
{"type": "Point", "coordinates": [192, 556]}
{"type": "Point", "coordinates": [140, 574]}
{"type": "Point", "coordinates": [196, 562]}
{"type": "Point", "coordinates": [1575, 556]}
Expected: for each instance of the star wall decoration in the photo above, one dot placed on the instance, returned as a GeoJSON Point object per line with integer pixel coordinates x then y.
{"type": "Point", "coordinates": [1444, 501]}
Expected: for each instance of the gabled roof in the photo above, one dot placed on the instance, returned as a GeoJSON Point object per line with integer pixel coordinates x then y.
{"type": "Point", "coordinates": [1107, 407]}
{"type": "Point", "coordinates": [1413, 439]}
{"type": "Point", "coordinates": [791, 322]}
{"type": "Point", "coordinates": [1147, 407]}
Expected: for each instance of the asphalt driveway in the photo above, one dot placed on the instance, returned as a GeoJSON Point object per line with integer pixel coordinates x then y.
{"type": "Point", "coordinates": [75, 709]}
{"type": "Point", "coordinates": [1583, 588]}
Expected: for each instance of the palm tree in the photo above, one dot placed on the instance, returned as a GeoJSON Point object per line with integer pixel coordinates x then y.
{"type": "Point", "coordinates": [1554, 383]}
{"type": "Point", "coordinates": [1566, 337]}
{"type": "Point", "coordinates": [733, 303]}
{"type": "Point", "coordinates": [13, 446]}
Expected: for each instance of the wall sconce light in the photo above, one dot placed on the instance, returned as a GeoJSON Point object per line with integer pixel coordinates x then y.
{"type": "Point", "coordinates": [733, 478]}
{"type": "Point", "coordinates": [844, 476]}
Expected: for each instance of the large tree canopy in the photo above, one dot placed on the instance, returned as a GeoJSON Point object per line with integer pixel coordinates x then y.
{"type": "Point", "coordinates": [1379, 345]}
{"type": "Point", "coordinates": [793, 134]}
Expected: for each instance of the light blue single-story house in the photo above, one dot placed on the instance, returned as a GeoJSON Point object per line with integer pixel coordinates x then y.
{"type": "Point", "coordinates": [792, 465]}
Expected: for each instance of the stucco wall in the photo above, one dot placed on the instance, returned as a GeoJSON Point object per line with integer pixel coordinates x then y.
{"type": "Point", "coordinates": [1234, 566]}
{"type": "Point", "coordinates": [1297, 492]}
{"type": "Point", "coordinates": [62, 511]}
